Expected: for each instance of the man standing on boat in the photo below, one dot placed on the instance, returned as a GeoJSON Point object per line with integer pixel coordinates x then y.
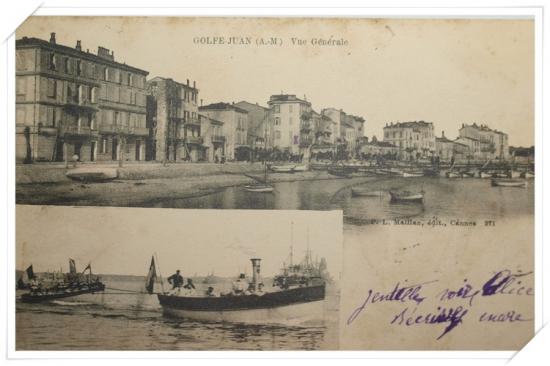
{"type": "Point", "coordinates": [176, 280]}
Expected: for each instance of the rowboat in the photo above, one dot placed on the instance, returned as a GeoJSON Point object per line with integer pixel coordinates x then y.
{"type": "Point", "coordinates": [528, 175]}
{"type": "Point", "coordinates": [259, 188]}
{"type": "Point", "coordinates": [282, 168]}
{"type": "Point", "coordinates": [453, 175]}
{"type": "Point", "coordinates": [92, 174]}
{"type": "Point", "coordinates": [467, 174]}
{"type": "Point", "coordinates": [485, 175]}
{"type": "Point", "coordinates": [406, 196]}
{"type": "Point", "coordinates": [508, 182]}
{"type": "Point", "coordinates": [412, 174]}
{"type": "Point", "coordinates": [35, 297]}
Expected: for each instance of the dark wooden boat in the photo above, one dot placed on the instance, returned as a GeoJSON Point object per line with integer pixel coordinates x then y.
{"type": "Point", "coordinates": [92, 174]}
{"type": "Point", "coordinates": [340, 171]}
{"type": "Point", "coordinates": [43, 296]}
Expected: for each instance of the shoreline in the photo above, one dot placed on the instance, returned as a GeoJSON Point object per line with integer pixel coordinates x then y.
{"type": "Point", "coordinates": [136, 191]}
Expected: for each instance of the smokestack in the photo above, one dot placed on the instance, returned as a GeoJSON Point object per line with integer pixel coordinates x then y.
{"type": "Point", "coordinates": [194, 85]}
{"type": "Point", "coordinates": [256, 278]}
{"type": "Point", "coordinates": [78, 45]}
{"type": "Point", "coordinates": [52, 37]}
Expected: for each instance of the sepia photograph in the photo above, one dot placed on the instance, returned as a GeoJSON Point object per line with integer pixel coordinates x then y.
{"type": "Point", "coordinates": [304, 183]}
{"type": "Point", "coordinates": [153, 279]}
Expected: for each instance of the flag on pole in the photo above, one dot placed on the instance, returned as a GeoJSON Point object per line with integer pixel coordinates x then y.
{"type": "Point", "coordinates": [72, 266]}
{"type": "Point", "coordinates": [151, 277]}
{"type": "Point", "coordinates": [30, 272]}
{"type": "Point", "coordinates": [89, 266]}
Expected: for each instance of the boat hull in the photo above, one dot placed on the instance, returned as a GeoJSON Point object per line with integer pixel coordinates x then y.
{"type": "Point", "coordinates": [282, 169]}
{"type": "Point", "coordinates": [90, 174]}
{"type": "Point", "coordinates": [259, 189]}
{"type": "Point", "coordinates": [508, 183]}
{"type": "Point", "coordinates": [55, 296]}
{"type": "Point", "coordinates": [287, 314]}
{"type": "Point", "coordinates": [414, 197]}
{"type": "Point", "coordinates": [297, 304]}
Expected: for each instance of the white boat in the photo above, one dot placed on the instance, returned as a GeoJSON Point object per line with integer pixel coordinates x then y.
{"type": "Point", "coordinates": [282, 168]}
{"type": "Point", "coordinates": [412, 174]}
{"type": "Point", "coordinates": [485, 175]}
{"type": "Point", "coordinates": [508, 182]}
{"type": "Point", "coordinates": [453, 175]}
{"type": "Point", "coordinates": [301, 168]}
{"type": "Point", "coordinates": [259, 188]}
{"type": "Point", "coordinates": [528, 175]}
{"type": "Point", "coordinates": [406, 196]}
{"type": "Point", "coordinates": [92, 174]}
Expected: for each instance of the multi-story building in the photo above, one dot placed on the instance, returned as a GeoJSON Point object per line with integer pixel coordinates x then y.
{"type": "Point", "coordinates": [173, 117]}
{"type": "Point", "coordinates": [71, 102]}
{"type": "Point", "coordinates": [490, 144]}
{"type": "Point", "coordinates": [348, 129]}
{"type": "Point", "coordinates": [235, 128]}
{"type": "Point", "coordinates": [213, 138]}
{"type": "Point", "coordinates": [260, 126]}
{"type": "Point", "coordinates": [337, 116]}
{"type": "Point", "coordinates": [414, 139]}
{"type": "Point", "coordinates": [292, 124]}
{"type": "Point", "coordinates": [444, 148]}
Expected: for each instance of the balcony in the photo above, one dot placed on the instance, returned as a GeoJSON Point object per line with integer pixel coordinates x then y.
{"type": "Point", "coordinates": [78, 131]}
{"type": "Point", "coordinates": [197, 140]}
{"type": "Point", "coordinates": [305, 127]}
{"type": "Point", "coordinates": [193, 122]}
{"type": "Point", "coordinates": [138, 131]}
{"type": "Point", "coordinates": [219, 139]}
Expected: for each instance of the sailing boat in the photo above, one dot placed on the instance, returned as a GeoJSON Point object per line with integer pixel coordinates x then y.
{"type": "Point", "coordinates": [261, 186]}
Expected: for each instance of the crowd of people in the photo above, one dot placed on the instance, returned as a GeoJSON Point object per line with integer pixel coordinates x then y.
{"type": "Point", "coordinates": [241, 286]}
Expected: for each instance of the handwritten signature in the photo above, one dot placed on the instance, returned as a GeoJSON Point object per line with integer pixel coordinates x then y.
{"type": "Point", "coordinates": [504, 282]}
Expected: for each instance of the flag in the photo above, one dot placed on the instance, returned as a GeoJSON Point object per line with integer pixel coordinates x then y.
{"type": "Point", "coordinates": [151, 277]}
{"type": "Point", "coordinates": [89, 266]}
{"type": "Point", "coordinates": [30, 272]}
{"type": "Point", "coordinates": [72, 266]}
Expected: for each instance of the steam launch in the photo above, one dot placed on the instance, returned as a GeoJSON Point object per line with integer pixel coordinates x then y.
{"type": "Point", "coordinates": [294, 296]}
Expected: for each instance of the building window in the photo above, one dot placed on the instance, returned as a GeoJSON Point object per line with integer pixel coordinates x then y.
{"type": "Point", "coordinates": [52, 61]}
{"type": "Point", "coordinates": [52, 86]}
{"type": "Point", "coordinates": [117, 118]}
{"type": "Point", "coordinates": [106, 73]}
{"type": "Point", "coordinates": [66, 65]}
{"type": "Point", "coordinates": [21, 87]}
{"type": "Point", "coordinates": [103, 146]}
{"type": "Point", "coordinates": [78, 67]}
{"type": "Point", "coordinates": [277, 121]}
{"type": "Point", "coordinates": [278, 135]}
{"type": "Point", "coordinates": [290, 120]}
{"type": "Point", "coordinates": [276, 108]}
{"type": "Point", "coordinates": [290, 108]}
{"type": "Point", "coordinates": [130, 79]}
{"type": "Point", "coordinates": [120, 77]}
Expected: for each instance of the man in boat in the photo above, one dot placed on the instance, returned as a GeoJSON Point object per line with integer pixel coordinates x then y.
{"type": "Point", "coordinates": [189, 285]}
{"type": "Point", "coordinates": [240, 285]}
{"type": "Point", "coordinates": [176, 280]}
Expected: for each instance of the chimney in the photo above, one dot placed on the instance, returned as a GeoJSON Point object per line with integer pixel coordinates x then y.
{"type": "Point", "coordinates": [256, 278]}
{"type": "Point", "coordinates": [78, 45]}
{"type": "Point", "coordinates": [194, 85]}
{"type": "Point", "coordinates": [442, 133]}
{"type": "Point", "coordinates": [52, 37]}
{"type": "Point", "coordinates": [187, 82]}
{"type": "Point", "coordinates": [113, 55]}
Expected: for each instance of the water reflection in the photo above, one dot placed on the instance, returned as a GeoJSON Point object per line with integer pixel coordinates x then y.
{"type": "Point", "coordinates": [445, 198]}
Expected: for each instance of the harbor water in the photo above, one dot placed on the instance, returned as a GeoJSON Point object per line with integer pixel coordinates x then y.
{"type": "Point", "coordinates": [116, 320]}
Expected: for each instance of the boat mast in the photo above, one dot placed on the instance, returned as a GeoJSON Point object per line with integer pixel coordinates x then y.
{"type": "Point", "coordinates": [291, 240]}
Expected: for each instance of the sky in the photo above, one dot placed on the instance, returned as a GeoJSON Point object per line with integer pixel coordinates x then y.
{"type": "Point", "coordinates": [122, 240]}
{"type": "Point", "coordinates": [443, 71]}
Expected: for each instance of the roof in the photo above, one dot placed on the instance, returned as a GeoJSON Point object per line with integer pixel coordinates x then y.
{"type": "Point", "coordinates": [410, 124]}
{"type": "Point", "coordinates": [247, 105]}
{"type": "Point", "coordinates": [160, 78]}
{"type": "Point", "coordinates": [28, 42]}
{"type": "Point", "coordinates": [442, 139]}
{"type": "Point", "coordinates": [482, 127]}
{"type": "Point", "coordinates": [221, 106]}
{"type": "Point", "coordinates": [286, 98]}
{"type": "Point", "coordinates": [211, 119]}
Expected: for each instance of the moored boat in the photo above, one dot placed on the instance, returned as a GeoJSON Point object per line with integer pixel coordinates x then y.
{"type": "Point", "coordinates": [508, 182]}
{"type": "Point", "coordinates": [282, 168]}
{"type": "Point", "coordinates": [528, 175]}
{"type": "Point", "coordinates": [259, 188]}
{"type": "Point", "coordinates": [339, 171]}
{"type": "Point", "coordinates": [413, 174]}
{"type": "Point", "coordinates": [406, 196]}
{"type": "Point", "coordinates": [485, 175]}
{"type": "Point", "coordinates": [301, 168]}
{"type": "Point", "coordinates": [92, 174]}
{"type": "Point", "coordinates": [452, 174]}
